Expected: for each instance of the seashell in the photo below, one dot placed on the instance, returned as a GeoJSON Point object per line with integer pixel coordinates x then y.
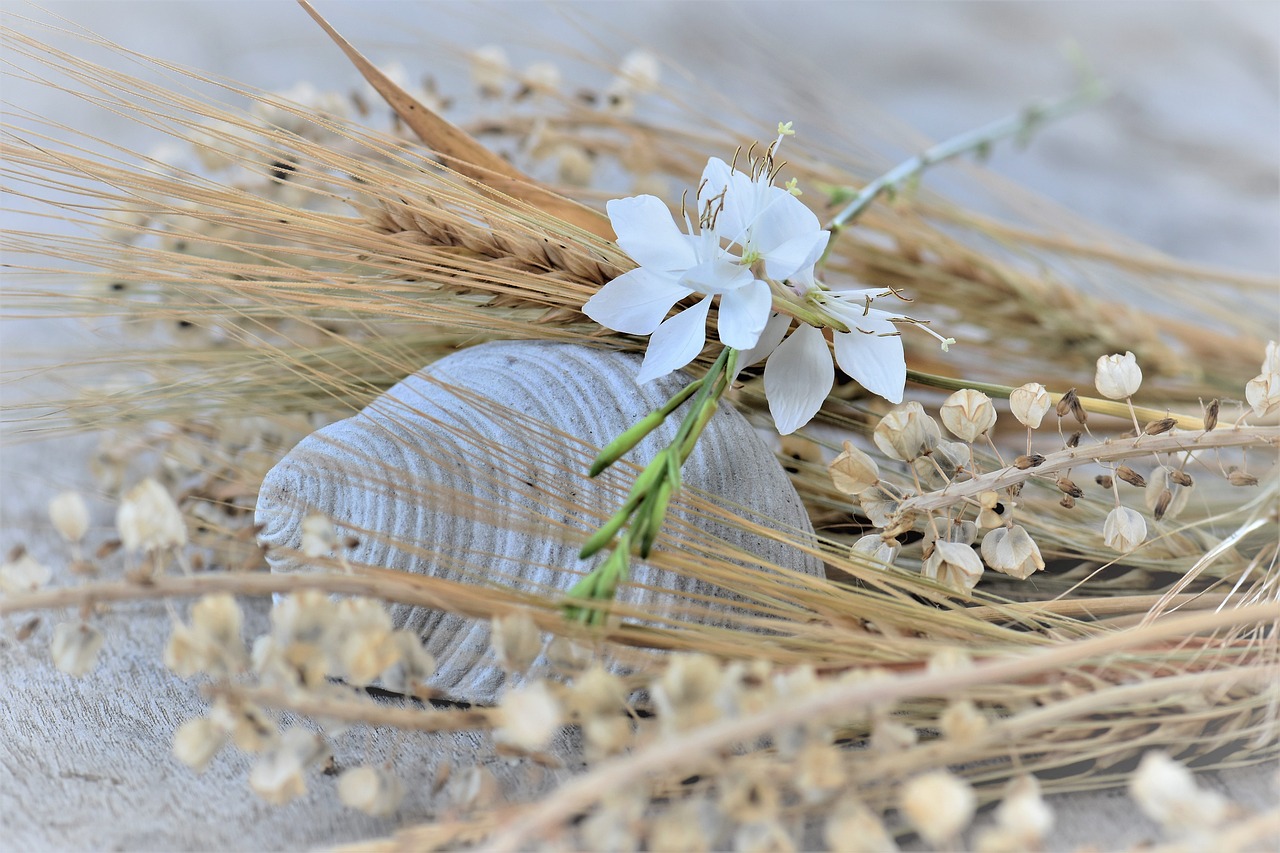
{"type": "Point", "coordinates": [474, 469]}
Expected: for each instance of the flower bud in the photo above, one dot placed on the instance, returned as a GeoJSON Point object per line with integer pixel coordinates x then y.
{"type": "Point", "coordinates": [853, 471]}
{"type": "Point", "coordinates": [907, 432]}
{"type": "Point", "coordinates": [1030, 403]}
{"type": "Point", "coordinates": [69, 515]}
{"type": "Point", "coordinates": [1124, 530]}
{"type": "Point", "coordinates": [1118, 376]}
{"type": "Point", "coordinates": [953, 565]}
{"type": "Point", "coordinates": [149, 520]}
{"type": "Point", "coordinates": [968, 414]}
{"type": "Point", "coordinates": [1012, 551]}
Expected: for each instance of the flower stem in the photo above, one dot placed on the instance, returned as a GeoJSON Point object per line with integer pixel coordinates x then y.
{"type": "Point", "coordinates": [638, 521]}
{"type": "Point", "coordinates": [1021, 125]}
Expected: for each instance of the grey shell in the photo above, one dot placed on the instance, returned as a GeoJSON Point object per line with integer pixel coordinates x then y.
{"type": "Point", "coordinates": [447, 474]}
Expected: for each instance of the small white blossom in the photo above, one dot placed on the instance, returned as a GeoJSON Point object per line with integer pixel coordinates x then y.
{"type": "Point", "coordinates": [968, 414]}
{"type": "Point", "coordinates": [1118, 376]}
{"type": "Point", "coordinates": [1023, 813]}
{"type": "Point", "coordinates": [641, 71]}
{"type": "Point", "coordinates": [939, 805]}
{"type": "Point", "coordinates": [75, 647]}
{"type": "Point", "coordinates": [70, 516]}
{"type": "Point", "coordinates": [1124, 530]}
{"type": "Point", "coordinates": [541, 77]}
{"type": "Point", "coordinates": [318, 536]}
{"type": "Point", "coordinates": [149, 520]}
{"type": "Point", "coordinates": [1030, 403]}
{"type": "Point", "coordinates": [1012, 551]}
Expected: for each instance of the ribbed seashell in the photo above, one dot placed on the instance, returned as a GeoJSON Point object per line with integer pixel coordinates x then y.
{"type": "Point", "coordinates": [474, 469]}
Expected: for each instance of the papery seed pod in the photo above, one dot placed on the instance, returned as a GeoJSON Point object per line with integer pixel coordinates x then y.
{"type": "Point", "coordinates": [853, 471]}
{"type": "Point", "coordinates": [1166, 496]}
{"type": "Point", "coordinates": [1241, 478]}
{"type": "Point", "coordinates": [1067, 486]}
{"type": "Point", "coordinates": [1211, 415]}
{"type": "Point", "coordinates": [1130, 476]}
{"type": "Point", "coordinates": [1118, 376]}
{"type": "Point", "coordinates": [876, 547]}
{"type": "Point", "coordinates": [1030, 403]}
{"type": "Point", "coordinates": [968, 414]}
{"type": "Point", "coordinates": [939, 805]}
{"type": "Point", "coordinates": [1104, 480]}
{"type": "Point", "coordinates": [75, 647]}
{"type": "Point", "coordinates": [1262, 393]}
{"type": "Point", "coordinates": [1028, 460]}
{"type": "Point", "coordinates": [1182, 478]}
{"type": "Point", "coordinates": [907, 432]}
{"type": "Point", "coordinates": [1012, 551]}
{"type": "Point", "coordinates": [70, 516]}
{"type": "Point", "coordinates": [1162, 504]}
{"type": "Point", "coordinates": [494, 495]}
{"type": "Point", "coordinates": [1157, 427]}
{"type": "Point", "coordinates": [953, 565]}
{"type": "Point", "coordinates": [23, 574]}
{"type": "Point", "coordinates": [1124, 529]}
{"type": "Point", "coordinates": [149, 520]}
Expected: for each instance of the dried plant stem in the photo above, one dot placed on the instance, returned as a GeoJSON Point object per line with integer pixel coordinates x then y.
{"type": "Point", "coordinates": [1092, 405]}
{"type": "Point", "coordinates": [586, 790]}
{"type": "Point", "coordinates": [1109, 451]}
{"type": "Point", "coordinates": [354, 711]}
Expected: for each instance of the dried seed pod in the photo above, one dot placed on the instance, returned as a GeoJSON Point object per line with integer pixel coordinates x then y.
{"type": "Point", "coordinates": [853, 471]}
{"type": "Point", "coordinates": [1162, 425]}
{"type": "Point", "coordinates": [1073, 440]}
{"type": "Point", "coordinates": [907, 432]}
{"type": "Point", "coordinates": [1162, 504]}
{"type": "Point", "coordinates": [1067, 502]}
{"type": "Point", "coordinates": [968, 414]}
{"type": "Point", "coordinates": [1211, 415]}
{"type": "Point", "coordinates": [1067, 486]}
{"type": "Point", "coordinates": [1130, 476]}
{"type": "Point", "coordinates": [1070, 404]}
{"type": "Point", "coordinates": [1030, 403]}
{"type": "Point", "coordinates": [1104, 480]}
{"type": "Point", "coordinates": [1124, 530]}
{"type": "Point", "coordinates": [1118, 376]}
{"type": "Point", "coordinates": [1240, 478]}
{"type": "Point", "coordinates": [1028, 460]}
{"type": "Point", "coordinates": [1182, 478]}
{"type": "Point", "coordinates": [496, 495]}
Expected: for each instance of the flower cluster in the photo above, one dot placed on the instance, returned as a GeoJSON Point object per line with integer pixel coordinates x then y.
{"type": "Point", "coordinates": [755, 246]}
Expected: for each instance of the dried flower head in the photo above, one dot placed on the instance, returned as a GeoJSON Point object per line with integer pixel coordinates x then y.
{"type": "Point", "coordinates": [1262, 393]}
{"type": "Point", "coordinates": [75, 647]}
{"type": "Point", "coordinates": [530, 715]}
{"type": "Point", "coordinates": [907, 432]}
{"type": "Point", "coordinates": [375, 791]}
{"type": "Point", "coordinates": [516, 641]}
{"type": "Point", "coordinates": [1023, 813]}
{"type": "Point", "coordinates": [1167, 793]}
{"type": "Point", "coordinates": [1118, 376]}
{"type": "Point", "coordinates": [1168, 491]}
{"type": "Point", "coordinates": [962, 722]}
{"type": "Point", "coordinates": [70, 516]}
{"type": "Point", "coordinates": [278, 776]}
{"type": "Point", "coordinates": [23, 574]}
{"type": "Point", "coordinates": [853, 471]}
{"type": "Point", "coordinates": [149, 520]}
{"type": "Point", "coordinates": [197, 741]}
{"type": "Point", "coordinates": [854, 828]}
{"type": "Point", "coordinates": [1011, 550]}
{"type": "Point", "coordinates": [939, 805]}
{"type": "Point", "coordinates": [641, 71]}
{"type": "Point", "coordinates": [1030, 403]}
{"type": "Point", "coordinates": [319, 539]}
{"type": "Point", "coordinates": [968, 414]}
{"type": "Point", "coordinates": [874, 546]}
{"type": "Point", "coordinates": [954, 565]}
{"type": "Point", "coordinates": [1124, 530]}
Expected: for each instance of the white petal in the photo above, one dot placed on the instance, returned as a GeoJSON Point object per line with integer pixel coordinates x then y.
{"type": "Point", "coordinates": [795, 255]}
{"type": "Point", "coordinates": [743, 315]}
{"type": "Point", "coordinates": [634, 302]}
{"type": "Point", "coordinates": [648, 234]}
{"type": "Point", "coordinates": [718, 275]}
{"type": "Point", "coordinates": [876, 362]}
{"type": "Point", "coordinates": [717, 178]}
{"type": "Point", "coordinates": [797, 378]}
{"type": "Point", "coordinates": [772, 335]}
{"type": "Point", "coordinates": [676, 342]}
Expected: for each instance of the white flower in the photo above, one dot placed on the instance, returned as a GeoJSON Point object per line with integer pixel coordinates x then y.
{"type": "Point", "coordinates": [1012, 551]}
{"type": "Point", "coordinates": [1124, 530]}
{"type": "Point", "coordinates": [954, 565]}
{"type": "Point", "coordinates": [938, 805]}
{"type": "Point", "coordinates": [770, 235]}
{"type": "Point", "coordinates": [799, 373]}
{"type": "Point", "coordinates": [149, 520]}
{"type": "Point", "coordinates": [70, 516]}
{"type": "Point", "coordinates": [1118, 376]}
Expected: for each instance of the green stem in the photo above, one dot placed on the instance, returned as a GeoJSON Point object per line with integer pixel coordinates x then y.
{"type": "Point", "coordinates": [1021, 125]}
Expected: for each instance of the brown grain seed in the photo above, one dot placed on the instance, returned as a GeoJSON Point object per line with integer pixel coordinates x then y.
{"type": "Point", "coordinates": [1029, 460]}
{"type": "Point", "coordinates": [1130, 476]}
{"type": "Point", "coordinates": [1211, 416]}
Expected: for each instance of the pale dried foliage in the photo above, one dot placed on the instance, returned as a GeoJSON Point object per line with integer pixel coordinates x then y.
{"type": "Point", "coordinates": [324, 261]}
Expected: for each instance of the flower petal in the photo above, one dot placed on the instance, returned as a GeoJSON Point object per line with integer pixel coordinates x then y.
{"type": "Point", "coordinates": [635, 302]}
{"type": "Point", "coordinates": [718, 275]}
{"type": "Point", "coordinates": [648, 234]}
{"type": "Point", "coordinates": [875, 360]}
{"type": "Point", "coordinates": [797, 378]}
{"type": "Point", "coordinates": [743, 315]}
{"type": "Point", "coordinates": [773, 333]}
{"type": "Point", "coordinates": [796, 255]}
{"type": "Point", "coordinates": [676, 342]}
